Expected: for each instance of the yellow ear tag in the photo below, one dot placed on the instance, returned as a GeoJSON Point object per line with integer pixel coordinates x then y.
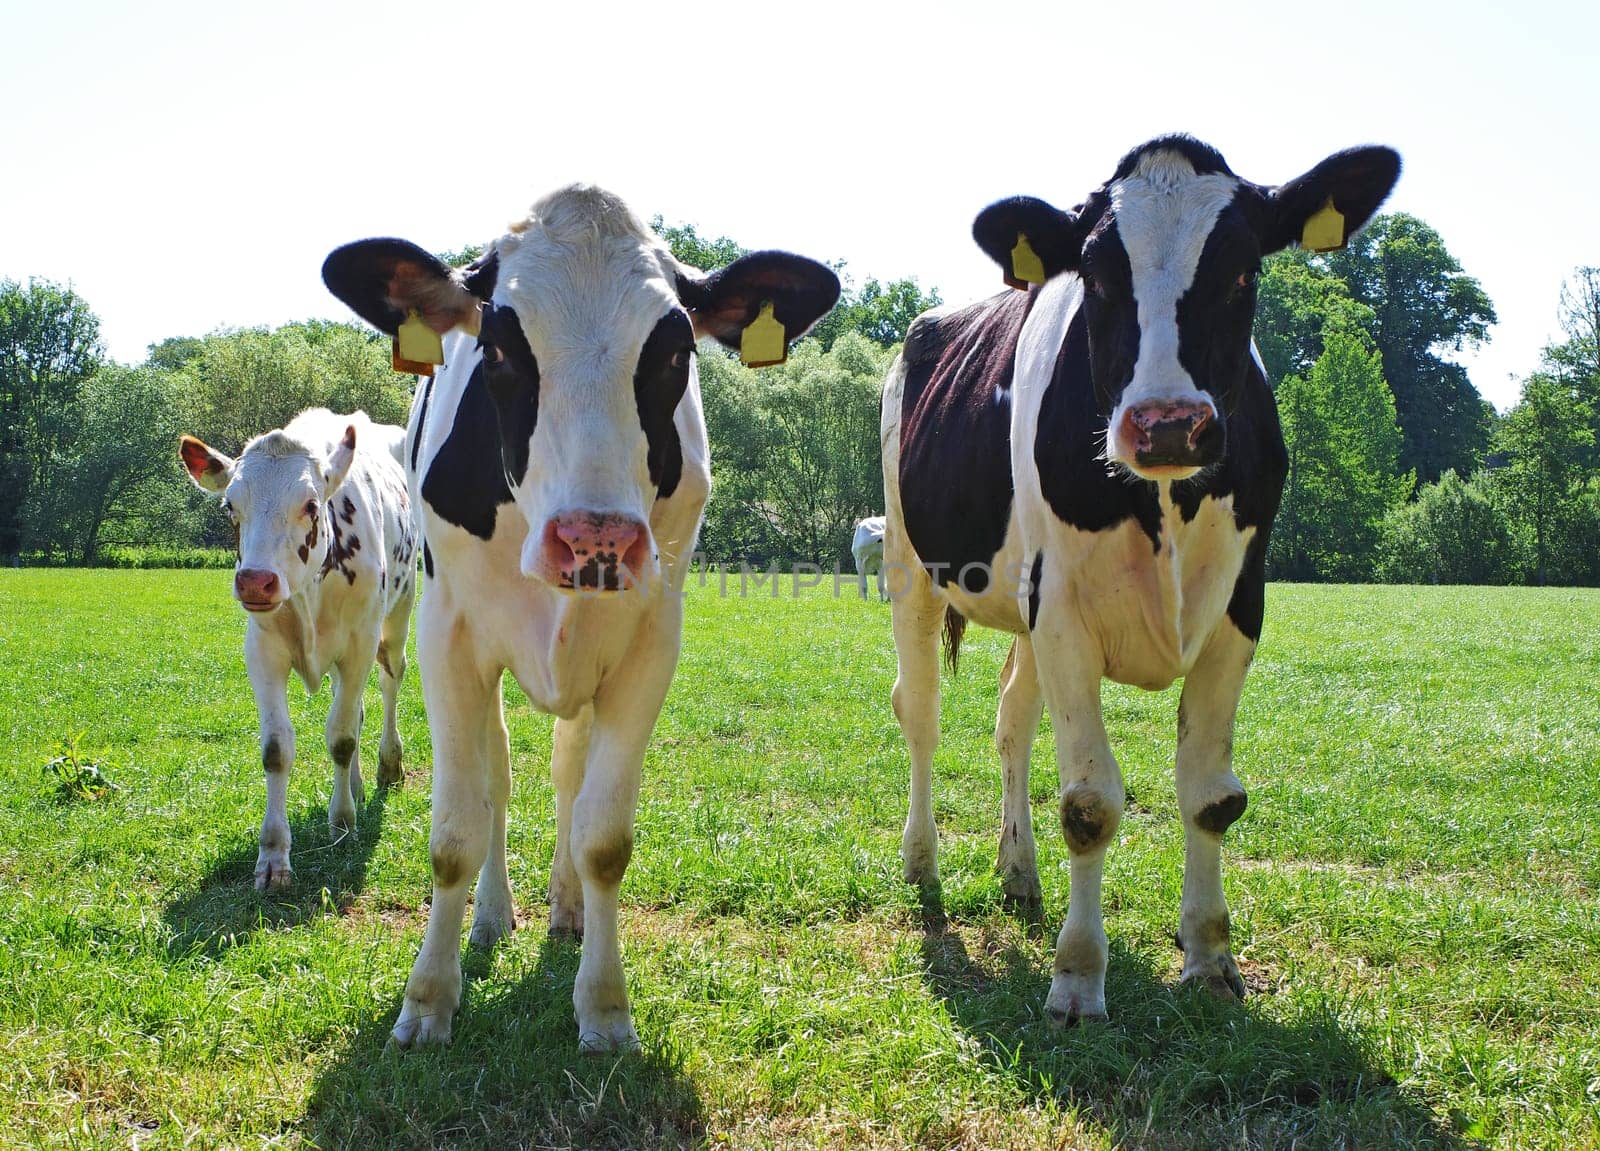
{"type": "Point", "coordinates": [762, 345]}
{"type": "Point", "coordinates": [417, 347]}
{"type": "Point", "coordinates": [1324, 232]}
{"type": "Point", "coordinates": [1026, 267]}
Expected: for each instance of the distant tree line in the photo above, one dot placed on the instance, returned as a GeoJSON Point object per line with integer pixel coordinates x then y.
{"type": "Point", "coordinates": [1399, 470]}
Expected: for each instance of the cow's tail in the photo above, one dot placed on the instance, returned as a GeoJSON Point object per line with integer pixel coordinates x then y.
{"type": "Point", "coordinates": [955, 626]}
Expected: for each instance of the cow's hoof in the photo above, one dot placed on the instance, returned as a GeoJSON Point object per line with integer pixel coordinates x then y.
{"type": "Point", "coordinates": [566, 921]}
{"type": "Point", "coordinates": [420, 1025]}
{"type": "Point", "coordinates": [342, 823]}
{"type": "Point", "coordinates": [1021, 896]}
{"type": "Point", "coordinates": [490, 927]}
{"type": "Point", "coordinates": [1075, 998]}
{"type": "Point", "coordinates": [1220, 977]}
{"type": "Point", "coordinates": [390, 771]}
{"type": "Point", "coordinates": [273, 872]}
{"type": "Point", "coordinates": [607, 1033]}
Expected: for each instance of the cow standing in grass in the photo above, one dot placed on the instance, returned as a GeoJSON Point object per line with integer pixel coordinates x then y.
{"type": "Point", "coordinates": [866, 548]}
{"type": "Point", "coordinates": [1093, 464]}
{"type": "Point", "coordinates": [559, 459]}
{"type": "Point", "coordinates": [327, 571]}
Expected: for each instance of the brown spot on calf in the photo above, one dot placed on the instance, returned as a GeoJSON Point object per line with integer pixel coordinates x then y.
{"type": "Point", "coordinates": [605, 862]}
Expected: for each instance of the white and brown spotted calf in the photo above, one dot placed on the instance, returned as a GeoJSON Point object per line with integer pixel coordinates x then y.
{"type": "Point", "coordinates": [1093, 465]}
{"type": "Point", "coordinates": [560, 465]}
{"type": "Point", "coordinates": [327, 572]}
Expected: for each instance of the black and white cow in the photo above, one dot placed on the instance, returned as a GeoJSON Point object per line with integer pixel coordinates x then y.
{"type": "Point", "coordinates": [327, 570]}
{"type": "Point", "coordinates": [1094, 465]}
{"type": "Point", "coordinates": [560, 462]}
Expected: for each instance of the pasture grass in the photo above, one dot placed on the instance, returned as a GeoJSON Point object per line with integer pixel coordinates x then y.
{"type": "Point", "coordinates": [1413, 890]}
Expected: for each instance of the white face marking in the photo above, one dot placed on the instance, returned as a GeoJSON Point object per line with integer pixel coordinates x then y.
{"type": "Point", "coordinates": [588, 284]}
{"type": "Point", "coordinates": [1165, 212]}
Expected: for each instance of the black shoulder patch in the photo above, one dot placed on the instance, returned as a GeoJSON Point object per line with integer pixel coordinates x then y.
{"type": "Point", "coordinates": [955, 436]}
{"type": "Point", "coordinates": [466, 480]}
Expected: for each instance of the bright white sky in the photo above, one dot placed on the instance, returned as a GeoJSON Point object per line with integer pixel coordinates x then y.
{"type": "Point", "coordinates": [188, 166]}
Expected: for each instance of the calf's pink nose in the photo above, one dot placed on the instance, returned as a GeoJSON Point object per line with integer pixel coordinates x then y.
{"type": "Point", "coordinates": [255, 585]}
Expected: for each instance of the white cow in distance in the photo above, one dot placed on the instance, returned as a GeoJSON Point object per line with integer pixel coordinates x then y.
{"type": "Point", "coordinates": [867, 548]}
{"type": "Point", "coordinates": [327, 571]}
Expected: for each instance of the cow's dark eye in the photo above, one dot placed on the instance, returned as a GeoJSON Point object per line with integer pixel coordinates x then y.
{"type": "Point", "coordinates": [310, 510]}
{"type": "Point", "coordinates": [227, 510]}
{"type": "Point", "coordinates": [493, 356]}
{"type": "Point", "coordinates": [1093, 287]}
{"type": "Point", "coordinates": [1246, 281]}
{"type": "Point", "coordinates": [680, 362]}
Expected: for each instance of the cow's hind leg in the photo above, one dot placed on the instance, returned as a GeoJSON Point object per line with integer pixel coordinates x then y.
{"type": "Point", "coordinates": [391, 670]}
{"type": "Point", "coordinates": [1021, 707]}
{"type": "Point", "coordinates": [917, 617]}
{"type": "Point", "coordinates": [344, 745]}
{"type": "Point", "coordinates": [568, 753]}
{"type": "Point", "coordinates": [1210, 798]}
{"type": "Point", "coordinates": [494, 914]}
{"type": "Point", "coordinates": [459, 697]}
{"type": "Point", "coordinates": [1091, 809]}
{"type": "Point", "coordinates": [269, 681]}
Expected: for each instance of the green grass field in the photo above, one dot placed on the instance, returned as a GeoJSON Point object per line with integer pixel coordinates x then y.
{"type": "Point", "coordinates": [1413, 891]}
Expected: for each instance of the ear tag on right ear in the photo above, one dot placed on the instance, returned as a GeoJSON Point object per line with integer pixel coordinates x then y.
{"type": "Point", "coordinates": [1026, 267]}
{"type": "Point", "coordinates": [762, 345]}
{"type": "Point", "coordinates": [1324, 231]}
{"type": "Point", "coordinates": [417, 347]}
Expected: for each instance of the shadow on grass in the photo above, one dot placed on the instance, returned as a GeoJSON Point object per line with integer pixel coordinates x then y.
{"type": "Point", "coordinates": [511, 1076]}
{"type": "Point", "coordinates": [225, 908]}
{"type": "Point", "coordinates": [1176, 1067]}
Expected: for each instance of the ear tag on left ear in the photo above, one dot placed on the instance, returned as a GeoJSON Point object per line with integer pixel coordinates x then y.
{"type": "Point", "coordinates": [1026, 267]}
{"type": "Point", "coordinates": [762, 345]}
{"type": "Point", "coordinates": [1324, 231]}
{"type": "Point", "coordinates": [417, 347]}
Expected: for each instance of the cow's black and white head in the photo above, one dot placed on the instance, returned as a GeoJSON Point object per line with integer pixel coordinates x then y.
{"type": "Point", "coordinates": [1168, 252]}
{"type": "Point", "coordinates": [586, 329]}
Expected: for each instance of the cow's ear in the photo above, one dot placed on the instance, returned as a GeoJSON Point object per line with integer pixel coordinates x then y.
{"type": "Point", "coordinates": [1356, 181]}
{"type": "Point", "coordinates": [1054, 235]}
{"type": "Point", "coordinates": [338, 467]}
{"type": "Point", "coordinates": [724, 302]}
{"type": "Point", "coordinates": [383, 281]}
{"type": "Point", "coordinates": [209, 469]}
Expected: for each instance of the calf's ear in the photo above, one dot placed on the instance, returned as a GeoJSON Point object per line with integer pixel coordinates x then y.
{"type": "Point", "coordinates": [1054, 235]}
{"type": "Point", "coordinates": [385, 280]}
{"type": "Point", "coordinates": [723, 303]}
{"type": "Point", "coordinates": [208, 468]}
{"type": "Point", "coordinates": [338, 466]}
{"type": "Point", "coordinates": [1355, 181]}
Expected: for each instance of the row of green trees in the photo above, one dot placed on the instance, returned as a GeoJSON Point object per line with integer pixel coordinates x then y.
{"type": "Point", "coordinates": [1398, 469]}
{"type": "Point", "coordinates": [88, 447]}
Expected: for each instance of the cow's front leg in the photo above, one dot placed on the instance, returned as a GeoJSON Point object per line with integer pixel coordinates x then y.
{"type": "Point", "coordinates": [1021, 706]}
{"type": "Point", "coordinates": [269, 682]}
{"type": "Point", "coordinates": [625, 712]}
{"type": "Point", "coordinates": [917, 616]}
{"type": "Point", "coordinates": [344, 745]}
{"type": "Point", "coordinates": [568, 754]}
{"type": "Point", "coordinates": [1210, 798]}
{"type": "Point", "coordinates": [458, 698]}
{"type": "Point", "coordinates": [1091, 809]}
{"type": "Point", "coordinates": [493, 913]}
